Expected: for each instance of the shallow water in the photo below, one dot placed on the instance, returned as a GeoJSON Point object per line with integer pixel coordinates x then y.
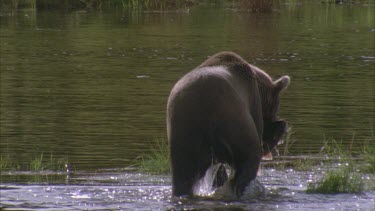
{"type": "Point", "coordinates": [284, 189]}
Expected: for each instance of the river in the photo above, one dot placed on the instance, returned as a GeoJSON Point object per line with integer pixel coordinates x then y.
{"type": "Point", "coordinates": [91, 87]}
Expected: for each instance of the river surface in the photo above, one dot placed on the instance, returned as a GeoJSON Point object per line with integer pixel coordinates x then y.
{"type": "Point", "coordinates": [91, 88]}
{"type": "Point", "coordinates": [110, 189]}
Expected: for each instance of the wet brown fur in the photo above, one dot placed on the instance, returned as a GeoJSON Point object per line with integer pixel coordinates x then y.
{"type": "Point", "coordinates": [217, 113]}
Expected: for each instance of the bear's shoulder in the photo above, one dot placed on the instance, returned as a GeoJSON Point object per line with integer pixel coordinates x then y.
{"type": "Point", "coordinates": [231, 62]}
{"type": "Point", "coordinates": [224, 58]}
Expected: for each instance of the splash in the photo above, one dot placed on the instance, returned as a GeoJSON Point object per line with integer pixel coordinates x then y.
{"type": "Point", "coordinates": [253, 191]}
{"type": "Point", "coordinates": [204, 187]}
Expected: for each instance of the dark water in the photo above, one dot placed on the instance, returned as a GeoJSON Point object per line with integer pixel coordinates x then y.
{"type": "Point", "coordinates": [91, 87]}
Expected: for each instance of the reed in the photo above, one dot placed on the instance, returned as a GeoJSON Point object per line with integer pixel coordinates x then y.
{"type": "Point", "coordinates": [37, 163]}
{"type": "Point", "coordinates": [347, 178]}
{"type": "Point", "coordinates": [40, 163]}
{"type": "Point", "coordinates": [6, 164]}
{"type": "Point", "coordinates": [357, 153]}
{"type": "Point", "coordinates": [289, 141]}
{"type": "Point", "coordinates": [156, 161]}
{"type": "Point", "coordinates": [364, 152]}
{"type": "Point", "coordinates": [368, 152]}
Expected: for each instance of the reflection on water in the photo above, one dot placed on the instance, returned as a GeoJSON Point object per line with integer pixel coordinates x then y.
{"type": "Point", "coordinates": [92, 87]}
{"type": "Point", "coordinates": [284, 190]}
{"type": "Point", "coordinates": [141, 191]}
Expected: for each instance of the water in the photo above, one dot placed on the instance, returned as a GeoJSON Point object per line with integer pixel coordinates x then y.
{"type": "Point", "coordinates": [91, 88]}
{"type": "Point", "coordinates": [283, 189]}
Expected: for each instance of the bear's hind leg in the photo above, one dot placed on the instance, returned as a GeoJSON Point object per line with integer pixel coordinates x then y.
{"type": "Point", "coordinates": [188, 166]}
{"type": "Point", "coordinates": [240, 134]}
{"type": "Point", "coordinates": [245, 173]}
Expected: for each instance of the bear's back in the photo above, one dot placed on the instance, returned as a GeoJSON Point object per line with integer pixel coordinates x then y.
{"type": "Point", "coordinates": [203, 84]}
{"type": "Point", "coordinates": [205, 93]}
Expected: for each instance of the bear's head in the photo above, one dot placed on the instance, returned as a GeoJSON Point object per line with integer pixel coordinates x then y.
{"type": "Point", "coordinates": [272, 134]}
{"type": "Point", "coordinates": [270, 93]}
{"type": "Point", "coordinates": [273, 128]}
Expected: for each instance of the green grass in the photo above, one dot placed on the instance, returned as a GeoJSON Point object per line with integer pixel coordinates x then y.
{"type": "Point", "coordinates": [370, 158]}
{"type": "Point", "coordinates": [289, 141]}
{"type": "Point", "coordinates": [6, 164]}
{"type": "Point", "coordinates": [156, 161]}
{"type": "Point", "coordinates": [39, 163]}
{"type": "Point", "coordinates": [368, 151]}
{"type": "Point", "coordinates": [339, 181]}
{"type": "Point", "coordinates": [346, 180]}
{"type": "Point", "coordinates": [36, 163]}
{"type": "Point", "coordinates": [361, 155]}
{"type": "Point", "coordinates": [304, 164]}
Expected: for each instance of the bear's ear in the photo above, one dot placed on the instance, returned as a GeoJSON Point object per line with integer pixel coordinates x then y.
{"type": "Point", "coordinates": [282, 83]}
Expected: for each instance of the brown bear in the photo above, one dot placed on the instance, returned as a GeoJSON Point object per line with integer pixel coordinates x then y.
{"type": "Point", "coordinates": [217, 113]}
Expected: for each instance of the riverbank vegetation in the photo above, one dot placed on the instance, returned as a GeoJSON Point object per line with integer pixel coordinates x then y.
{"type": "Point", "coordinates": [343, 180]}
{"type": "Point", "coordinates": [37, 163]}
{"type": "Point", "coordinates": [156, 161]}
{"type": "Point", "coordinates": [97, 4]}
{"type": "Point", "coordinates": [160, 5]}
{"type": "Point", "coordinates": [352, 162]}
{"type": "Point", "coordinates": [345, 165]}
